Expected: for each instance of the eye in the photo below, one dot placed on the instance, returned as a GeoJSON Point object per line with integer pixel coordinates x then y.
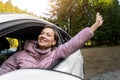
{"type": "Point", "coordinates": [49, 35]}
{"type": "Point", "coordinates": [42, 33]}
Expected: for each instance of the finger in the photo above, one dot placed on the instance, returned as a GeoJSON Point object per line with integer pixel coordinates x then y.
{"type": "Point", "coordinates": [101, 17]}
{"type": "Point", "coordinates": [97, 14]}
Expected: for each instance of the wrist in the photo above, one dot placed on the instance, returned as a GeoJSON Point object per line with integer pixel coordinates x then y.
{"type": "Point", "coordinates": [94, 26]}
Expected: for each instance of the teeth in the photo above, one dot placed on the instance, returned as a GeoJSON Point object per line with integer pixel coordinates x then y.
{"type": "Point", "coordinates": [43, 40]}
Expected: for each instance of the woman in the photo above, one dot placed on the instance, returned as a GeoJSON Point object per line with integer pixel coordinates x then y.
{"type": "Point", "coordinates": [42, 53]}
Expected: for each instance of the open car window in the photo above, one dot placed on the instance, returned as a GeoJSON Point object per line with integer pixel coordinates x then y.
{"type": "Point", "coordinates": [23, 28]}
{"type": "Point", "coordinates": [17, 35]}
{"type": "Point", "coordinates": [8, 46]}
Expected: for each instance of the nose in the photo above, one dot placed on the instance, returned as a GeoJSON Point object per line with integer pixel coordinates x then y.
{"type": "Point", "coordinates": [42, 36]}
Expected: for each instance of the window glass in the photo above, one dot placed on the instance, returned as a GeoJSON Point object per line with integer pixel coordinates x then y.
{"type": "Point", "coordinates": [65, 37]}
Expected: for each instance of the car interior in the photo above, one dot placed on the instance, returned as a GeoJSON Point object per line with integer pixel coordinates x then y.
{"type": "Point", "coordinates": [23, 34]}
{"type": "Point", "coordinates": [4, 46]}
{"type": "Point", "coordinates": [28, 33]}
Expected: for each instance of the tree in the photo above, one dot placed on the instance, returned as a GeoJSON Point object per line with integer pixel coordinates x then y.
{"type": "Point", "coordinates": [109, 34]}
{"type": "Point", "coordinates": [69, 16]}
{"type": "Point", "coordinates": [9, 8]}
{"type": "Point", "coordinates": [81, 13]}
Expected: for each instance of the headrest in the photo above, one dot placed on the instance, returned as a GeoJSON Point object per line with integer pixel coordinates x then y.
{"type": "Point", "coordinates": [4, 44]}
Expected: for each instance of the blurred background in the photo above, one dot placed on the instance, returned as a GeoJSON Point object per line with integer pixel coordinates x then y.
{"type": "Point", "coordinates": [102, 53]}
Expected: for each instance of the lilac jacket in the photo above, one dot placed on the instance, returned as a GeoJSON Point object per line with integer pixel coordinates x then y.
{"type": "Point", "coordinates": [32, 58]}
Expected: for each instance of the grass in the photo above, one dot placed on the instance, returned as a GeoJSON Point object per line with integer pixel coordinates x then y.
{"type": "Point", "coordinates": [100, 60]}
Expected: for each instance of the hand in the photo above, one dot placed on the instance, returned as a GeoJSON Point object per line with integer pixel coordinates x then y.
{"type": "Point", "coordinates": [98, 22]}
{"type": "Point", "coordinates": [99, 19]}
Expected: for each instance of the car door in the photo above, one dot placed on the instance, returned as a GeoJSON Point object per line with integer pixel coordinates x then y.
{"type": "Point", "coordinates": [74, 63]}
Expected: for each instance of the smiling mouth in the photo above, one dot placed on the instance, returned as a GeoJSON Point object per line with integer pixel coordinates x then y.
{"type": "Point", "coordinates": [43, 40]}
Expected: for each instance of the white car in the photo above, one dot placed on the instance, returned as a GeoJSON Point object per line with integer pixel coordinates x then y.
{"type": "Point", "coordinates": [23, 27]}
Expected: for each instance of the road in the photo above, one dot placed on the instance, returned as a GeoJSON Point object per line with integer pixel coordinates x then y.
{"type": "Point", "coordinates": [101, 63]}
{"type": "Point", "coordinates": [108, 76]}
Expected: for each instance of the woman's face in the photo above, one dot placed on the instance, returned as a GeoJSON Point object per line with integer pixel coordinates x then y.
{"type": "Point", "coordinates": [46, 38]}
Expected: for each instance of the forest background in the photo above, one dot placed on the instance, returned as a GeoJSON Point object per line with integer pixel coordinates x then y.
{"type": "Point", "coordinates": [74, 15]}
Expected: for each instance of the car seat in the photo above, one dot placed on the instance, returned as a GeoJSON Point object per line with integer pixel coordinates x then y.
{"type": "Point", "coordinates": [4, 44]}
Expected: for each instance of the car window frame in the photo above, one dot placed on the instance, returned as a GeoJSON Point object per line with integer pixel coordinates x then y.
{"type": "Point", "coordinates": [13, 27]}
{"type": "Point", "coordinates": [64, 36]}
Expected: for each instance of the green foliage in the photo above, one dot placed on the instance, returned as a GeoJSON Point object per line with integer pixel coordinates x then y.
{"type": "Point", "coordinates": [111, 24]}
{"type": "Point", "coordinates": [74, 15]}
{"type": "Point", "coordinates": [9, 8]}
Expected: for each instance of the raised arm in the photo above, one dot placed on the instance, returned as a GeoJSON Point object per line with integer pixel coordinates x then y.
{"type": "Point", "coordinates": [79, 40]}
{"type": "Point", "coordinates": [98, 22]}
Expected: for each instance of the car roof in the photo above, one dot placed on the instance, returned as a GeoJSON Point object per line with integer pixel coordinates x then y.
{"type": "Point", "coordinates": [14, 19]}
{"type": "Point", "coordinates": [7, 17]}
{"type": "Point", "coordinates": [17, 16]}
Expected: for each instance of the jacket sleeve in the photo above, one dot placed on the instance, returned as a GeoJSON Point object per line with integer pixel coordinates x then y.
{"type": "Point", "coordinates": [9, 65]}
{"type": "Point", "coordinates": [74, 43]}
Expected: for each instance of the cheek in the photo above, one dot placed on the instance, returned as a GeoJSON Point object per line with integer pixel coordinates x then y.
{"type": "Point", "coordinates": [38, 38]}
{"type": "Point", "coordinates": [51, 40]}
